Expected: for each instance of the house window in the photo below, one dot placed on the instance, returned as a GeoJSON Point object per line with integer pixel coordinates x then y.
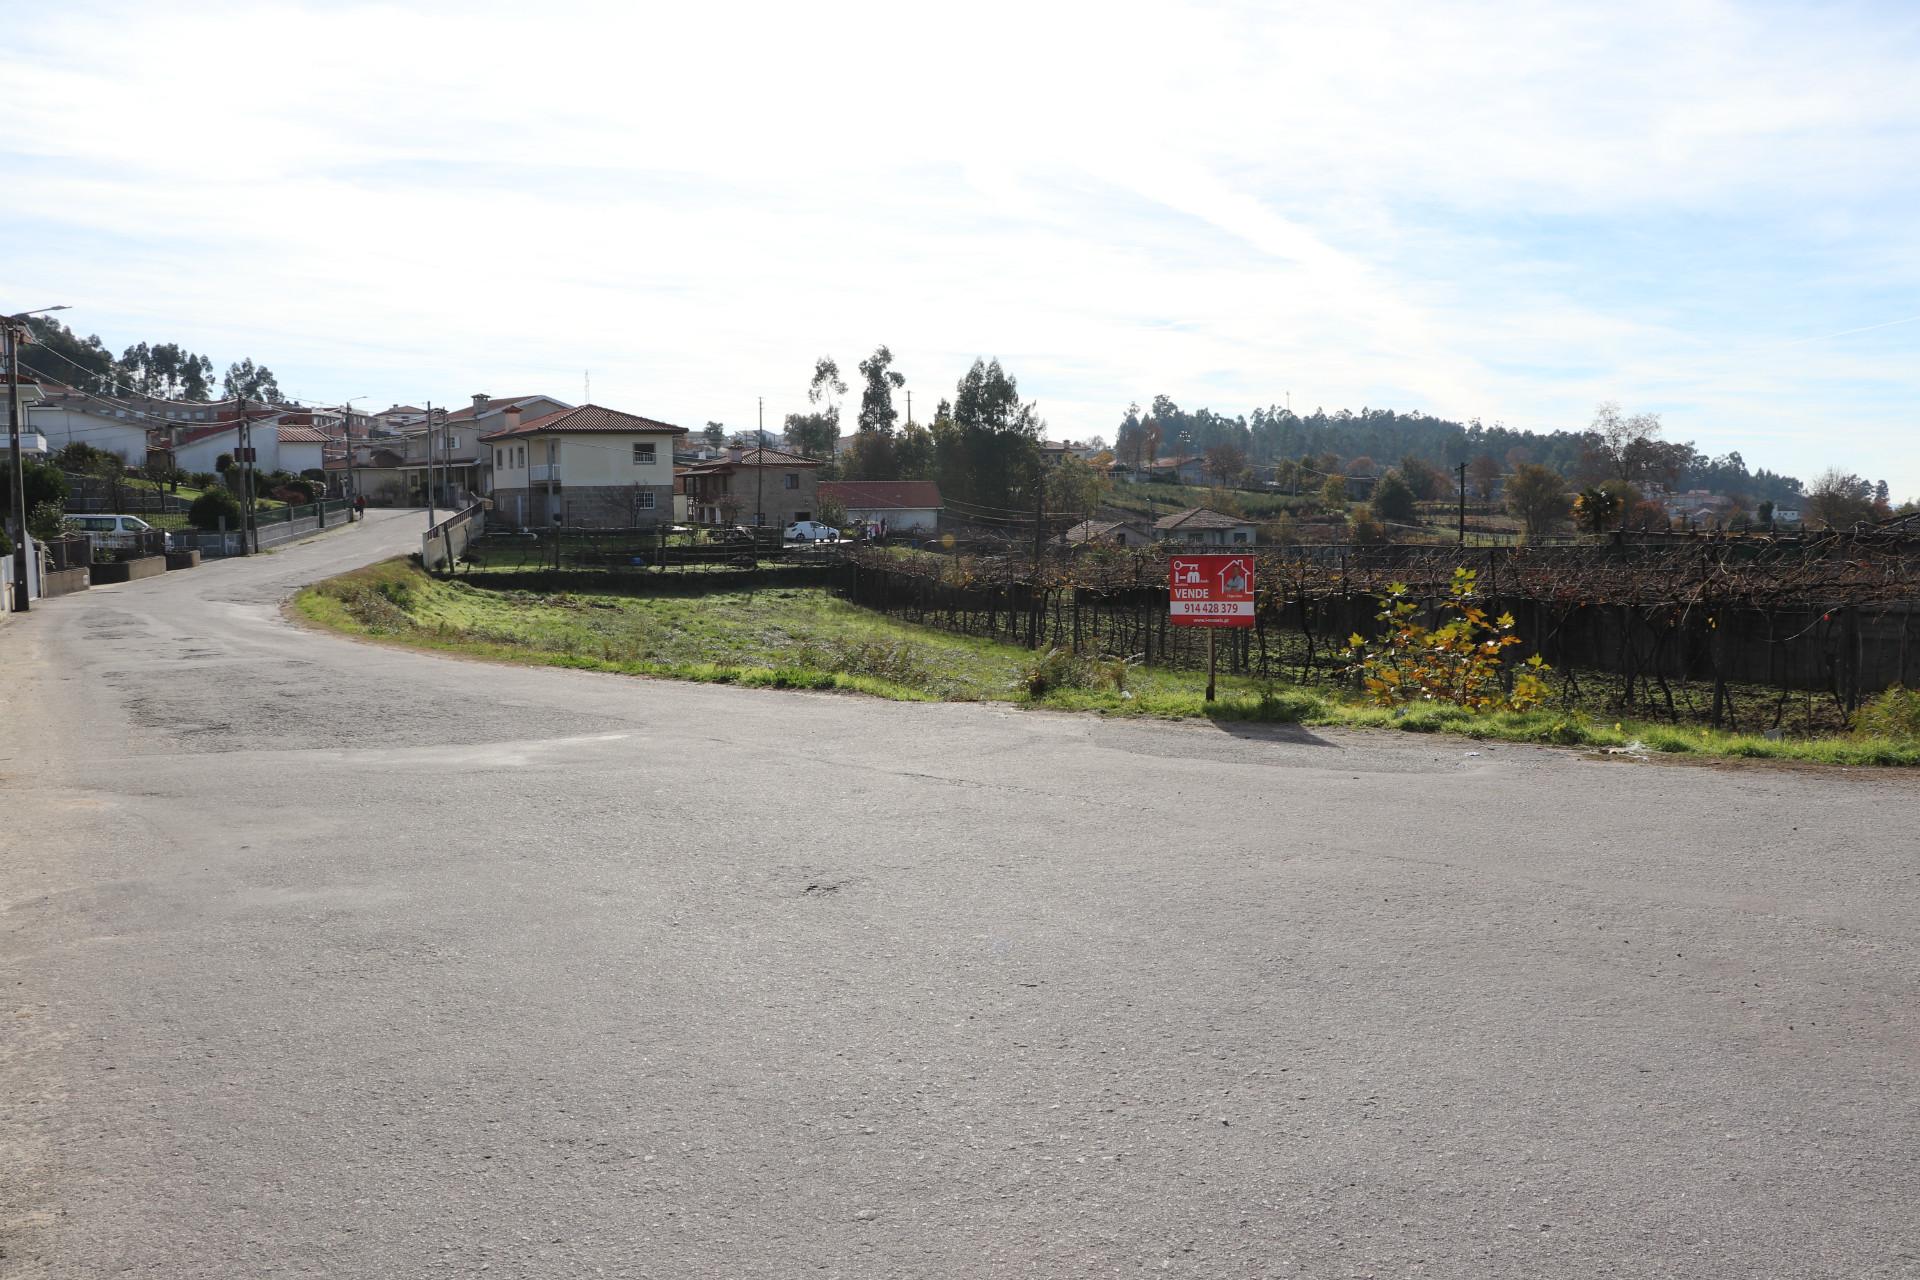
{"type": "Point", "coordinates": [1194, 535]}
{"type": "Point", "coordinates": [646, 499]}
{"type": "Point", "coordinates": [1239, 535]}
{"type": "Point", "coordinates": [521, 454]}
{"type": "Point", "coordinates": [642, 454]}
{"type": "Point", "coordinates": [791, 481]}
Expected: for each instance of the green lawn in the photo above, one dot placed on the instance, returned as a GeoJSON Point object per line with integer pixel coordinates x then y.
{"type": "Point", "coordinates": [804, 637]}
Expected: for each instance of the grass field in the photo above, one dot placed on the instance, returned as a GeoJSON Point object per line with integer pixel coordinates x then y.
{"type": "Point", "coordinates": [806, 638]}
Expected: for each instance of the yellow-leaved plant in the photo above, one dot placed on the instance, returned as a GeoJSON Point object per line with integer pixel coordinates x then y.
{"type": "Point", "coordinates": [1457, 662]}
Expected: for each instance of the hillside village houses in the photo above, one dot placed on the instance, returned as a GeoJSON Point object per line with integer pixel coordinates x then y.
{"type": "Point", "coordinates": [587, 466]}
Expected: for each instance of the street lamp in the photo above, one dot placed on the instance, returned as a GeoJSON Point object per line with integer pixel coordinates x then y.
{"type": "Point", "coordinates": [13, 451]}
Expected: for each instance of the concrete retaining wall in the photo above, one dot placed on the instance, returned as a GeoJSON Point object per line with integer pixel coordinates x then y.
{"type": "Point", "coordinates": [105, 573]}
{"type": "Point", "coordinates": [64, 582]}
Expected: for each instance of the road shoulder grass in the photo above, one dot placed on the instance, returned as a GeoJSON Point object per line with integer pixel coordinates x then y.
{"type": "Point", "coordinates": [806, 638]}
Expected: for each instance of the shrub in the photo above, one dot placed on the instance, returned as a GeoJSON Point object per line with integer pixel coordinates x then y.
{"type": "Point", "coordinates": [203, 480]}
{"type": "Point", "coordinates": [896, 661]}
{"type": "Point", "coordinates": [47, 520]}
{"type": "Point", "coordinates": [1058, 668]}
{"type": "Point", "coordinates": [1457, 662]}
{"type": "Point", "coordinates": [207, 510]}
{"type": "Point", "coordinates": [1894, 713]}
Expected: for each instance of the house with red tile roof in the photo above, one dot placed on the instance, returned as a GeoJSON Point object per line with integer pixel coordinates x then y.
{"type": "Point", "coordinates": [586, 466]}
{"type": "Point", "coordinates": [1203, 526]}
{"type": "Point", "coordinates": [769, 487]}
{"type": "Point", "coordinates": [903, 506]}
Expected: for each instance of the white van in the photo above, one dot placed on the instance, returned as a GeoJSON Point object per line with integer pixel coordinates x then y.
{"type": "Point", "coordinates": [115, 532]}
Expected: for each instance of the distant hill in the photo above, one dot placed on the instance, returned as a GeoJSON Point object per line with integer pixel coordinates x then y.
{"type": "Point", "coordinates": [1386, 436]}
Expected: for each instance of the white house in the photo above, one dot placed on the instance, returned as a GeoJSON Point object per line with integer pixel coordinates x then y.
{"type": "Point", "coordinates": [904, 506]}
{"type": "Point", "coordinates": [300, 448]}
{"type": "Point", "coordinates": [199, 448]}
{"type": "Point", "coordinates": [589, 467]}
{"type": "Point", "coordinates": [67, 417]}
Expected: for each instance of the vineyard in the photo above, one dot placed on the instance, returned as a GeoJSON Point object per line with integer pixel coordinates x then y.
{"type": "Point", "coordinates": [1747, 634]}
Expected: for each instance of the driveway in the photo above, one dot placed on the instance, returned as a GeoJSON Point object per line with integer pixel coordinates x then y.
{"type": "Point", "coordinates": [328, 959]}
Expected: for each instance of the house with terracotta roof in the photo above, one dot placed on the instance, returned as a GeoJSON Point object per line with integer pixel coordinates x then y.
{"type": "Point", "coordinates": [588, 467]}
{"type": "Point", "coordinates": [1203, 526]}
{"type": "Point", "coordinates": [302, 448]}
{"type": "Point", "coordinates": [769, 487]}
{"type": "Point", "coordinates": [1118, 533]}
{"type": "Point", "coordinates": [198, 448]}
{"type": "Point", "coordinates": [903, 506]}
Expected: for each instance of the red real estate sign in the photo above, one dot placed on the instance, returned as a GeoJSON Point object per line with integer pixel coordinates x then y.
{"type": "Point", "coordinates": [1210, 591]}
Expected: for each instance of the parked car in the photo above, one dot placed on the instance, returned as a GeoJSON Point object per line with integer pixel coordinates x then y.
{"type": "Point", "coordinates": [811, 531]}
{"type": "Point", "coordinates": [114, 532]}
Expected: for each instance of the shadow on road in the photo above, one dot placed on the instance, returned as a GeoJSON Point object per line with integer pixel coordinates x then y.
{"type": "Point", "coordinates": [1266, 731]}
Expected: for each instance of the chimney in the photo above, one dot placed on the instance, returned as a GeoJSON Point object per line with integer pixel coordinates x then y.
{"type": "Point", "coordinates": [480, 399]}
{"type": "Point", "coordinates": [735, 453]}
{"type": "Point", "coordinates": [512, 415]}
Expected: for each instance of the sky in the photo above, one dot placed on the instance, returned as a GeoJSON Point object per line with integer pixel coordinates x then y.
{"type": "Point", "coordinates": [1509, 212]}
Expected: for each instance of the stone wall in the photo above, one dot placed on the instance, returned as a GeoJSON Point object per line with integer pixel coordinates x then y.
{"type": "Point", "coordinates": [584, 506]}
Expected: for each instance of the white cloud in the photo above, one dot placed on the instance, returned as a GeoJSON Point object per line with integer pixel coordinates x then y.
{"type": "Point", "coordinates": [1425, 205]}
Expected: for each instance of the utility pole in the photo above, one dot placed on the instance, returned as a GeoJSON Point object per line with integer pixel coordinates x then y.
{"type": "Point", "coordinates": [16, 470]}
{"type": "Point", "coordinates": [249, 521]}
{"type": "Point", "coordinates": [1463, 504]}
{"type": "Point", "coordinates": [429, 464]}
{"type": "Point", "coordinates": [1039, 541]}
{"type": "Point", "coordinates": [760, 467]}
{"type": "Point", "coordinates": [909, 407]}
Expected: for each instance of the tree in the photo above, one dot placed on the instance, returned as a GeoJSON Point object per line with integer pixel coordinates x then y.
{"type": "Point", "coordinates": [1596, 509]}
{"type": "Point", "coordinates": [1484, 473]}
{"type": "Point", "coordinates": [1138, 442]}
{"type": "Point", "coordinates": [1075, 486]}
{"type": "Point", "coordinates": [872, 456]}
{"type": "Point", "coordinates": [876, 397]}
{"type": "Point", "coordinates": [1839, 499]}
{"type": "Point", "coordinates": [255, 382]}
{"type": "Point", "coordinates": [813, 434]}
{"type": "Point", "coordinates": [716, 433]}
{"type": "Point", "coordinates": [816, 433]}
{"type": "Point", "coordinates": [1225, 463]}
{"type": "Point", "coordinates": [1628, 446]}
{"type": "Point", "coordinates": [1423, 479]}
{"type": "Point", "coordinates": [913, 452]}
{"type": "Point", "coordinates": [1393, 500]}
{"type": "Point", "coordinates": [1537, 497]}
{"type": "Point", "coordinates": [986, 442]}
{"type": "Point", "coordinates": [1334, 492]}
{"type": "Point", "coordinates": [57, 354]}
{"type": "Point", "coordinates": [1764, 513]}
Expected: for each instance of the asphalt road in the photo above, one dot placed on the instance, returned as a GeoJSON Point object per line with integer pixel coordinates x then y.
{"type": "Point", "coordinates": [325, 959]}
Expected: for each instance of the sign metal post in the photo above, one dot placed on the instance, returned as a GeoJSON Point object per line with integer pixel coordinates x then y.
{"type": "Point", "coordinates": [1210, 591]}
